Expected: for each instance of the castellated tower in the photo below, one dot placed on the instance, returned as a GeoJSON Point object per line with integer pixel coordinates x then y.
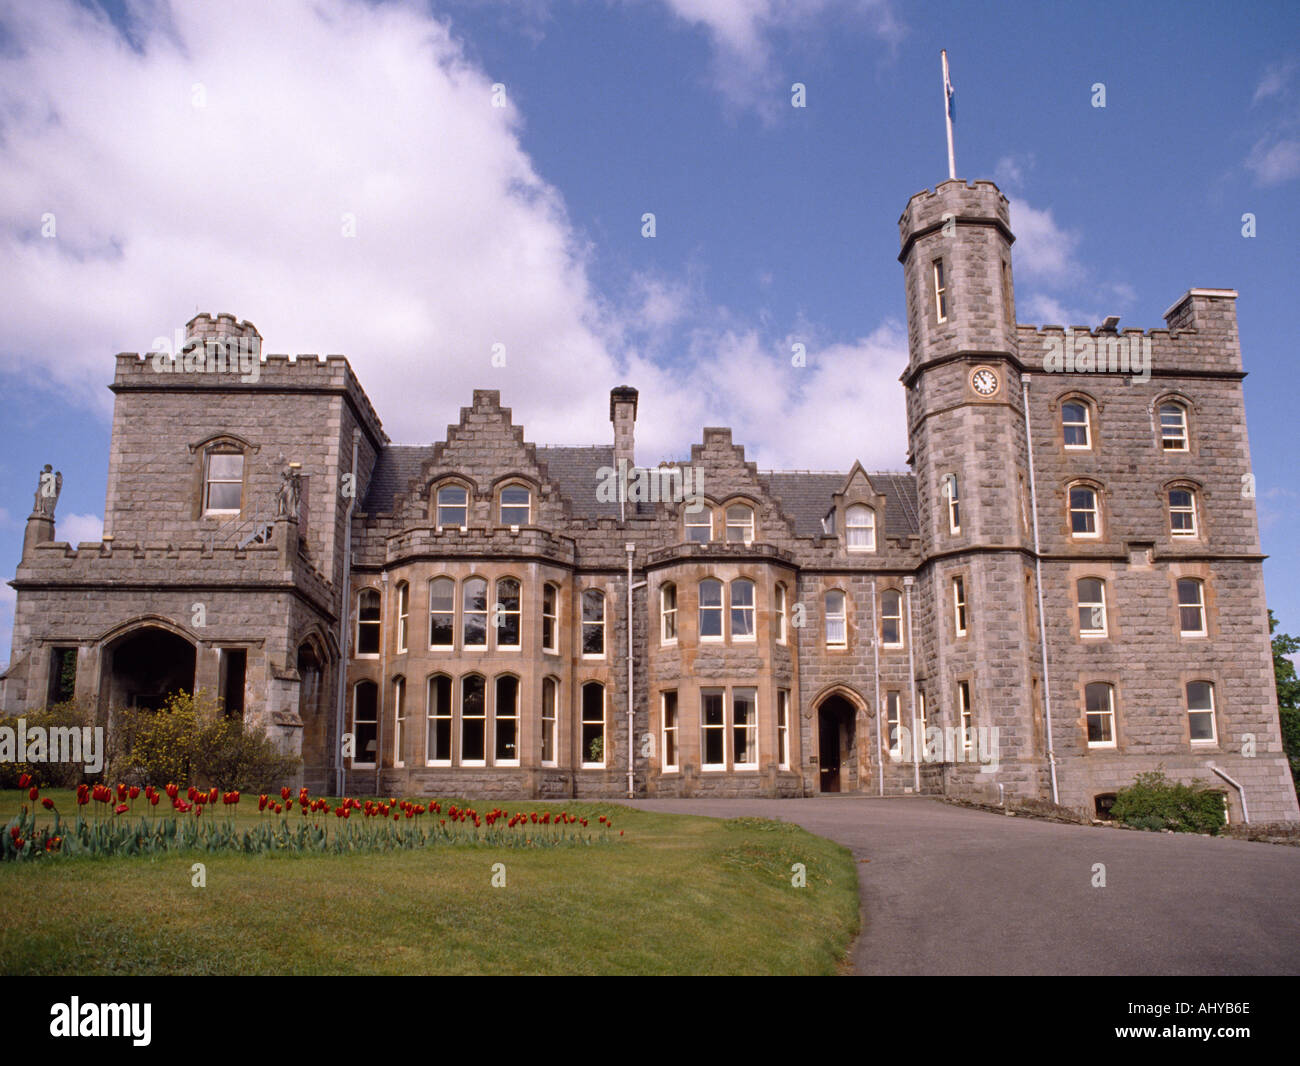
{"type": "Point", "coordinates": [966, 429]}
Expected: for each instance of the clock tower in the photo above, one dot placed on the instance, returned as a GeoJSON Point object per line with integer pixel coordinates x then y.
{"type": "Point", "coordinates": [967, 440]}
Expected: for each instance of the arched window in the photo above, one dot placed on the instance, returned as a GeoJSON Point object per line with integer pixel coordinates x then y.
{"type": "Point", "coordinates": [437, 750]}
{"type": "Point", "coordinates": [223, 480]}
{"type": "Point", "coordinates": [740, 524]}
{"type": "Point", "coordinates": [891, 618]}
{"type": "Point", "coordinates": [1182, 512]}
{"type": "Point", "coordinates": [1076, 424]}
{"type": "Point", "coordinates": [399, 721]}
{"type": "Point", "coordinates": [1173, 427]}
{"type": "Point", "coordinates": [516, 505]}
{"type": "Point", "coordinates": [593, 725]}
{"type": "Point", "coordinates": [1092, 607]}
{"type": "Point", "coordinates": [550, 618]}
{"type": "Point", "coordinates": [1200, 713]}
{"type": "Point", "coordinates": [780, 613]}
{"type": "Point", "coordinates": [549, 720]}
{"type": "Point", "coordinates": [742, 609]}
{"type": "Point", "coordinates": [442, 612]}
{"type": "Point", "coordinates": [508, 613]}
{"type": "Point", "coordinates": [698, 524]}
{"type": "Point", "coordinates": [860, 528]}
{"type": "Point", "coordinates": [474, 613]}
{"type": "Point", "coordinates": [1099, 700]}
{"type": "Point", "coordinates": [837, 631]}
{"type": "Point", "coordinates": [453, 506]}
{"type": "Point", "coordinates": [365, 723]}
{"type": "Point", "coordinates": [1085, 514]}
{"type": "Point", "coordinates": [668, 614]}
{"type": "Point", "coordinates": [710, 609]}
{"type": "Point", "coordinates": [1191, 607]}
{"type": "Point", "coordinates": [369, 623]}
{"type": "Point", "coordinates": [403, 614]}
{"type": "Point", "coordinates": [593, 624]}
{"type": "Point", "coordinates": [473, 721]}
{"type": "Point", "coordinates": [506, 715]}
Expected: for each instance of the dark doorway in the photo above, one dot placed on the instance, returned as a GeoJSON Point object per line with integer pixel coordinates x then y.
{"type": "Point", "coordinates": [234, 668]}
{"type": "Point", "coordinates": [146, 666]}
{"type": "Point", "coordinates": [835, 729]}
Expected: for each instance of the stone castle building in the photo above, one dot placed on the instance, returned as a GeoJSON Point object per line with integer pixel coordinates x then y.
{"type": "Point", "coordinates": [1065, 590]}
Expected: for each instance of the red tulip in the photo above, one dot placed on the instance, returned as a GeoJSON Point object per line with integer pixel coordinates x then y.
{"type": "Point", "coordinates": [24, 780]}
{"type": "Point", "coordinates": [284, 793]}
{"type": "Point", "coordinates": [153, 800]}
{"type": "Point", "coordinates": [33, 792]}
{"type": "Point", "coordinates": [135, 792]}
{"type": "Point", "coordinates": [19, 842]}
{"type": "Point", "coordinates": [121, 791]}
{"type": "Point", "coordinates": [47, 803]}
{"type": "Point", "coordinates": [121, 808]}
{"type": "Point", "coordinates": [171, 790]}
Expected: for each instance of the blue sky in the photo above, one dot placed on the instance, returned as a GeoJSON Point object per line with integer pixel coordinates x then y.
{"type": "Point", "coordinates": [200, 157]}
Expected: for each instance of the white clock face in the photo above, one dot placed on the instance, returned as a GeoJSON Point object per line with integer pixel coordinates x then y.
{"type": "Point", "coordinates": [984, 381]}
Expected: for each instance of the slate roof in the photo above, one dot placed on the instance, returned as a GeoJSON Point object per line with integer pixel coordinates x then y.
{"type": "Point", "coordinates": [805, 496]}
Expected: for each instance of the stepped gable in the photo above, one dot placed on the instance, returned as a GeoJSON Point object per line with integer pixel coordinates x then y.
{"type": "Point", "coordinates": [808, 495]}
{"type": "Point", "coordinates": [727, 474]}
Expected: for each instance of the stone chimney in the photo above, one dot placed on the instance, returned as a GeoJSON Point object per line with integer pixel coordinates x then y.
{"type": "Point", "coordinates": [622, 412]}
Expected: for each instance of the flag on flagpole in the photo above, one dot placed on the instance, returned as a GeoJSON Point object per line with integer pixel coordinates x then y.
{"type": "Point", "coordinates": [951, 94]}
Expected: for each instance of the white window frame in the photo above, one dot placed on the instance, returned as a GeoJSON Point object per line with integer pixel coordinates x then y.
{"type": "Point", "coordinates": [781, 615]}
{"type": "Point", "coordinates": [706, 728]}
{"type": "Point", "coordinates": [885, 616]}
{"type": "Point", "coordinates": [747, 613]}
{"type": "Point", "coordinates": [482, 717]}
{"type": "Point", "coordinates": [434, 713]}
{"type": "Point", "coordinates": [749, 728]}
{"type": "Point", "coordinates": [864, 532]}
{"type": "Point", "coordinates": [589, 596]}
{"type": "Point", "coordinates": [669, 728]}
{"type": "Point", "coordinates": [378, 622]}
{"type": "Point", "coordinates": [586, 763]}
{"type": "Point", "coordinates": [966, 719]}
{"type": "Point", "coordinates": [1213, 738]}
{"type": "Point", "coordinates": [783, 728]}
{"type": "Point", "coordinates": [701, 519]}
{"type": "Point", "coordinates": [439, 506]}
{"type": "Point", "coordinates": [399, 721]}
{"type": "Point", "coordinates": [1107, 716]}
{"type": "Point", "coordinates": [498, 717]}
{"type": "Point", "coordinates": [952, 493]}
{"type": "Point", "coordinates": [748, 527]}
{"type": "Point", "coordinates": [440, 612]}
{"type": "Point", "coordinates": [1199, 585]}
{"type": "Point", "coordinates": [922, 717]}
{"type": "Point", "coordinates": [940, 280]}
{"type": "Point", "coordinates": [1183, 432]}
{"type": "Point", "coordinates": [840, 617]}
{"type": "Point", "coordinates": [718, 609]}
{"type": "Point", "coordinates": [356, 722]}
{"type": "Point", "coordinates": [209, 480]}
{"type": "Point", "coordinates": [893, 724]}
{"type": "Point", "coordinates": [466, 614]}
{"type": "Point", "coordinates": [960, 611]}
{"type": "Point", "coordinates": [667, 613]}
{"type": "Point", "coordinates": [1086, 424]}
{"type": "Point", "coordinates": [403, 614]}
{"type": "Point", "coordinates": [1091, 632]}
{"type": "Point", "coordinates": [1094, 510]}
{"type": "Point", "coordinates": [551, 618]}
{"type": "Point", "coordinates": [502, 613]}
{"type": "Point", "coordinates": [526, 506]}
{"type": "Point", "coordinates": [1192, 532]}
{"type": "Point", "coordinates": [550, 721]}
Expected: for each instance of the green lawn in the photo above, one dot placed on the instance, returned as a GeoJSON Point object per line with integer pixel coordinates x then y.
{"type": "Point", "coordinates": [676, 894]}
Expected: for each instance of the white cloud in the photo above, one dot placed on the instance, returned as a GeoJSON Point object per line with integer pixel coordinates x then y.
{"type": "Point", "coordinates": [1044, 251]}
{"type": "Point", "coordinates": [1274, 81]}
{"type": "Point", "coordinates": [1009, 173]}
{"type": "Point", "coordinates": [741, 33]}
{"type": "Point", "coordinates": [76, 528]}
{"type": "Point", "coordinates": [1274, 162]}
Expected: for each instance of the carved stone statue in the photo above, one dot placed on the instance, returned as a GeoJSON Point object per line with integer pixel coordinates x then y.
{"type": "Point", "coordinates": [48, 486]}
{"type": "Point", "coordinates": [289, 496]}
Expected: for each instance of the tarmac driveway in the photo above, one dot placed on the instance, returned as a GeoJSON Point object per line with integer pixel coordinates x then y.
{"type": "Point", "coordinates": [947, 890]}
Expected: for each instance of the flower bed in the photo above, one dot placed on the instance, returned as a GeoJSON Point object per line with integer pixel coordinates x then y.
{"type": "Point", "coordinates": [285, 823]}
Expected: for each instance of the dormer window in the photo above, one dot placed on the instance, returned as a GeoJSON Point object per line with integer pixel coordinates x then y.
{"type": "Point", "coordinates": [516, 505]}
{"type": "Point", "coordinates": [860, 528]}
{"type": "Point", "coordinates": [740, 524]}
{"type": "Point", "coordinates": [223, 481]}
{"type": "Point", "coordinates": [699, 525]}
{"type": "Point", "coordinates": [453, 506]}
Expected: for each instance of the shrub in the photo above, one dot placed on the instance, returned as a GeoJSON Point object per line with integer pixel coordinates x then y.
{"type": "Point", "coordinates": [190, 742]}
{"type": "Point", "coordinates": [68, 714]}
{"type": "Point", "coordinates": [1155, 802]}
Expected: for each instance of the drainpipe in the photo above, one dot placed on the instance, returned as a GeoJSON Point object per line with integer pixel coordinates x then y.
{"type": "Point", "coordinates": [631, 791]}
{"type": "Point", "coordinates": [341, 702]}
{"type": "Point", "coordinates": [880, 711]}
{"type": "Point", "coordinates": [383, 683]}
{"type": "Point", "coordinates": [1245, 812]}
{"type": "Point", "coordinates": [1038, 582]}
{"type": "Point", "coordinates": [911, 679]}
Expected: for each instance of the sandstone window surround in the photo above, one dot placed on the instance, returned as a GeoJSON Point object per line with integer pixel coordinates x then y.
{"type": "Point", "coordinates": [744, 729]}
{"type": "Point", "coordinates": [1183, 507]}
{"type": "Point", "coordinates": [893, 710]}
{"type": "Point", "coordinates": [593, 624]}
{"type": "Point", "coordinates": [742, 611]}
{"type": "Point", "coordinates": [713, 729]}
{"type": "Point", "coordinates": [508, 614]}
{"type": "Point", "coordinates": [1099, 714]}
{"type": "Point", "coordinates": [369, 624]}
{"type": "Point", "coordinates": [837, 627]}
{"type": "Point", "coordinates": [474, 614]}
{"type": "Point", "coordinates": [438, 717]}
{"type": "Point", "coordinates": [960, 612]}
{"type": "Point", "coordinates": [1191, 607]}
{"type": "Point", "coordinates": [365, 724]}
{"type": "Point", "coordinates": [399, 721]}
{"type": "Point", "coordinates": [781, 612]}
{"type": "Point", "coordinates": [940, 291]}
{"type": "Point", "coordinates": [783, 728]}
{"type": "Point", "coordinates": [473, 720]}
{"type": "Point", "coordinates": [710, 610]}
{"type": "Point", "coordinates": [442, 613]}
{"type": "Point", "coordinates": [515, 504]}
{"type": "Point", "coordinates": [668, 613]}
{"type": "Point", "coordinates": [1076, 425]}
{"type": "Point", "coordinates": [740, 523]}
{"type": "Point", "coordinates": [952, 495]}
{"type": "Point", "coordinates": [550, 721]}
{"type": "Point", "coordinates": [966, 717]}
{"type": "Point", "coordinates": [859, 528]}
{"type": "Point", "coordinates": [223, 480]}
{"type": "Point", "coordinates": [594, 748]}
{"type": "Point", "coordinates": [698, 525]}
{"type": "Point", "coordinates": [505, 721]}
{"type": "Point", "coordinates": [550, 618]}
{"type": "Point", "coordinates": [451, 508]}
{"type": "Point", "coordinates": [891, 618]}
{"type": "Point", "coordinates": [1084, 510]}
{"type": "Point", "coordinates": [669, 727]}
{"type": "Point", "coordinates": [1175, 434]}
{"type": "Point", "coordinates": [403, 615]}
{"type": "Point", "coordinates": [1201, 726]}
{"type": "Point", "coordinates": [1091, 607]}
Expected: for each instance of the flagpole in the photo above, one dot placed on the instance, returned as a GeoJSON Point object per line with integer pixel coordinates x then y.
{"type": "Point", "coordinates": [947, 115]}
